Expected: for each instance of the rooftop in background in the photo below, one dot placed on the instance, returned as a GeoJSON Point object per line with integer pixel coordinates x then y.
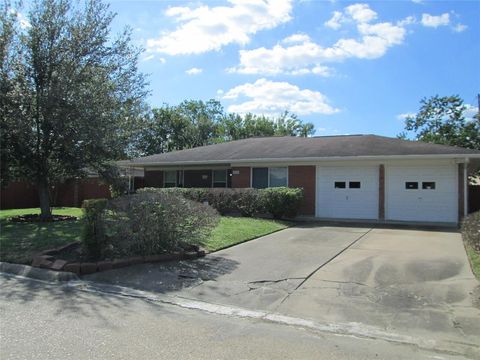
{"type": "Point", "coordinates": [289, 147]}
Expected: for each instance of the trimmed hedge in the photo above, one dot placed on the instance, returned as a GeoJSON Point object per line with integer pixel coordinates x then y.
{"type": "Point", "coordinates": [279, 202]}
{"type": "Point", "coordinates": [93, 233]}
{"type": "Point", "coordinates": [471, 230]}
{"type": "Point", "coordinates": [282, 201]}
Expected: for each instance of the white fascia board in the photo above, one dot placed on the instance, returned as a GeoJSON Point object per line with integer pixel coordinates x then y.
{"type": "Point", "coordinates": [460, 157]}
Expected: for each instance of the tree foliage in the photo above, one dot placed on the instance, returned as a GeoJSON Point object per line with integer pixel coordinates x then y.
{"type": "Point", "coordinates": [71, 93]}
{"type": "Point", "coordinates": [442, 120]}
{"type": "Point", "coordinates": [196, 123]}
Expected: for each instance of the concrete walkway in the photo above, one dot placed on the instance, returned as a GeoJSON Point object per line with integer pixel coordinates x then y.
{"type": "Point", "coordinates": [405, 281]}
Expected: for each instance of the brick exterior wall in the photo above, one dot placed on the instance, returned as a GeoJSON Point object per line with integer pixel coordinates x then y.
{"type": "Point", "coordinates": [242, 179]}
{"type": "Point", "coordinates": [304, 177]}
{"type": "Point", "coordinates": [461, 192]}
{"type": "Point", "coordinates": [153, 178]}
{"type": "Point", "coordinates": [381, 192]}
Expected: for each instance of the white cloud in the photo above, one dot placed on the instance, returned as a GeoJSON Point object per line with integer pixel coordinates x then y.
{"type": "Point", "coordinates": [205, 28]}
{"type": "Point", "coordinates": [435, 21]}
{"type": "Point", "coordinates": [336, 20]}
{"type": "Point", "coordinates": [407, 21]}
{"type": "Point", "coordinates": [148, 57]}
{"type": "Point", "coordinates": [296, 39]}
{"type": "Point", "coordinates": [304, 55]}
{"type": "Point", "coordinates": [194, 71]}
{"type": "Point", "coordinates": [162, 60]}
{"type": "Point", "coordinates": [361, 13]}
{"type": "Point", "coordinates": [470, 111]}
{"type": "Point", "coordinates": [460, 28]}
{"type": "Point", "coordinates": [404, 116]}
{"type": "Point", "coordinates": [272, 98]}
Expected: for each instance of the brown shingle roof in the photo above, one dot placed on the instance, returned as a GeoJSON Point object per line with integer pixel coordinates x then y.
{"type": "Point", "coordinates": [289, 147]}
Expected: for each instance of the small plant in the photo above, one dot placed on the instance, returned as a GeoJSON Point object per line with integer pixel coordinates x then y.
{"type": "Point", "coordinates": [94, 231]}
{"type": "Point", "coordinates": [282, 201]}
{"type": "Point", "coordinates": [471, 230]}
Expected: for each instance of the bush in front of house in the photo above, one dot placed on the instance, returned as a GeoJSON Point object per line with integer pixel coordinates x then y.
{"type": "Point", "coordinates": [279, 202]}
{"type": "Point", "coordinates": [94, 232]}
{"type": "Point", "coordinates": [471, 230]}
{"type": "Point", "coordinates": [249, 202]}
{"type": "Point", "coordinates": [282, 201]}
{"type": "Point", "coordinates": [149, 223]}
{"type": "Point", "coordinates": [221, 199]}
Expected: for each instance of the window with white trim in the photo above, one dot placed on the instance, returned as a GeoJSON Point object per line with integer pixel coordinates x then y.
{"type": "Point", "coordinates": [278, 177]}
{"type": "Point", "coordinates": [269, 177]}
{"type": "Point", "coordinates": [219, 178]}
{"type": "Point", "coordinates": [170, 178]}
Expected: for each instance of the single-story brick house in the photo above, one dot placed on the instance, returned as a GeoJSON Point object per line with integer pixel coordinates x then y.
{"type": "Point", "coordinates": [364, 177]}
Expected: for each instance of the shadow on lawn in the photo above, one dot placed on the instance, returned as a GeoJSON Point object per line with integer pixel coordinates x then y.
{"type": "Point", "coordinates": [20, 241]}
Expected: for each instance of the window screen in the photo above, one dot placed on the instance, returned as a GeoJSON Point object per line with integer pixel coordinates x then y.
{"type": "Point", "coordinates": [340, 185]}
{"type": "Point", "coordinates": [219, 178]}
{"type": "Point", "coordinates": [260, 178]}
{"type": "Point", "coordinates": [428, 185]}
{"type": "Point", "coordinates": [170, 179]}
{"type": "Point", "coordinates": [278, 176]}
{"type": "Point", "coordinates": [411, 185]}
{"type": "Point", "coordinates": [354, 185]}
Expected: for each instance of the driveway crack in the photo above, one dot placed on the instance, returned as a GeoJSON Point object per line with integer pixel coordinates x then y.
{"type": "Point", "coordinates": [325, 263]}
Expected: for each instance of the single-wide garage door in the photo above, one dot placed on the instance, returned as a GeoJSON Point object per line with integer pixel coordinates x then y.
{"type": "Point", "coordinates": [421, 193]}
{"type": "Point", "coordinates": [347, 192]}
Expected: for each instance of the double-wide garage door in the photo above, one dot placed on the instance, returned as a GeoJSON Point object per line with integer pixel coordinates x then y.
{"type": "Point", "coordinates": [412, 193]}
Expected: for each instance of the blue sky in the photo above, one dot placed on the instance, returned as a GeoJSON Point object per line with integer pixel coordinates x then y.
{"type": "Point", "coordinates": [348, 67]}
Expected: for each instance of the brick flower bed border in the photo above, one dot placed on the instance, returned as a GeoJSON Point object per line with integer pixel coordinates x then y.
{"type": "Point", "coordinates": [47, 260]}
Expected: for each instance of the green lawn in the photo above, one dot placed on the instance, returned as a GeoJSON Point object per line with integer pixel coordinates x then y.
{"type": "Point", "coordinates": [474, 260]}
{"type": "Point", "coordinates": [235, 230]}
{"type": "Point", "coordinates": [20, 241]}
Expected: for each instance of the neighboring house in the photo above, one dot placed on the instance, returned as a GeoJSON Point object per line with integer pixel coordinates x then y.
{"type": "Point", "coordinates": [363, 177]}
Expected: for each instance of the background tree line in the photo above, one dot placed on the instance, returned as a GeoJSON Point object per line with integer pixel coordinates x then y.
{"type": "Point", "coordinates": [196, 123]}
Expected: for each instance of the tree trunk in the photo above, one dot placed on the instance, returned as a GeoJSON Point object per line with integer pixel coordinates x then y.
{"type": "Point", "coordinates": [44, 197]}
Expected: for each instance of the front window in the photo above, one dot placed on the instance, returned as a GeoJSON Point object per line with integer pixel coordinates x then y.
{"type": "Point", "coordinates": [260, 178]}
{"type": "Point", "coordinates": [219, 178]}
{"type": "Point", "coordinates": [269, 177]}
{"type": "Point", "coordinates": [170, 179]}
{"type": "Point", "coordinates": [278, 177]}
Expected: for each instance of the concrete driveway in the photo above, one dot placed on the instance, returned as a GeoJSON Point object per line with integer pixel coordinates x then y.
{"type": "Point", "coordinates": [398, 280]}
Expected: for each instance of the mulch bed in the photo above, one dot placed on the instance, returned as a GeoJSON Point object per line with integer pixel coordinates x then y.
{"type": "Point", "coordinates": [34, 218]}
{"type": "Point", "coordinates": [71, 259]}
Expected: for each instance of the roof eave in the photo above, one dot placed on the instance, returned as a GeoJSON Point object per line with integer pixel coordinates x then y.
{"type": "Point", "coordinates": [304, 159]}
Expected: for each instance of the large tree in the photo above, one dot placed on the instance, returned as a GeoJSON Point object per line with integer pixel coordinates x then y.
{"type": "Point", "coordinates": [443, 120]}
{"type": "Point", "coordinates": [70, 91]}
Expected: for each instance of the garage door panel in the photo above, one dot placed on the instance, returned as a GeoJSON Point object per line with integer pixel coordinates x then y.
{"type": "Point", "coordinates": [347, 203]}
{"type": "Point", "coordinates": [427, 205]}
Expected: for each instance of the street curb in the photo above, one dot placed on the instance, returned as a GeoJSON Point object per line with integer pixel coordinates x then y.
{"type": "Point", "coordinates": [353, 329]}
{"type": "Point", "coordinates": [37, 273]}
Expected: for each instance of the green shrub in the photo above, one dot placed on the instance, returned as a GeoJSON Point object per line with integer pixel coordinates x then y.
{"type": "Point", "coordinates": [282, 201]}
{"type": "Point", "coordinates": [93, 232]}
{"type": "Point", "coordinates": [471, 230]}
{"type": "Point", "coordinates": [221, 199]}
{"type": "Point", "coordinates": [156, 222]}
{"type": "Point", "coordinates": [249, 202]}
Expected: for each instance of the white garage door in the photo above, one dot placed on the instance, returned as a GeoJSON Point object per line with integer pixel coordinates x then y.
{"type": "Point", "coordinates": [347, 192]}
{"type": "Point", "coordinates": [427, 193]}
